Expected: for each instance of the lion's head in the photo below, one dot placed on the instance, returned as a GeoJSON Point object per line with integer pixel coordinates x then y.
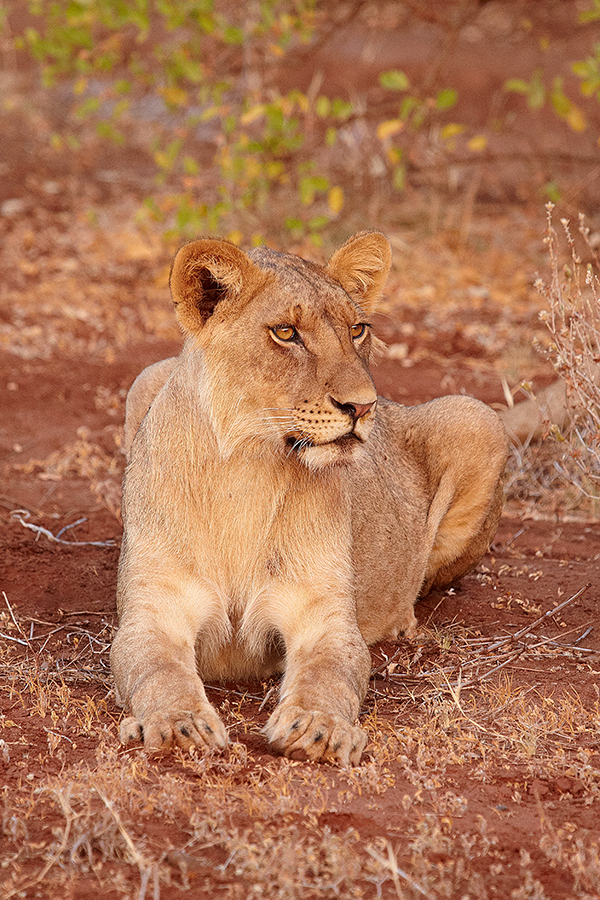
{"type": "Point", "coordinates": [285, 344]}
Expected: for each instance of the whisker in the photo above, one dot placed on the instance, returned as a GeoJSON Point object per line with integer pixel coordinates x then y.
{"type": "Point", "coordinates": [289, 409]}
{"type": "Point", "coordinates": [291, 419]}
{"type": "Point", "coordinates": [300, 443]}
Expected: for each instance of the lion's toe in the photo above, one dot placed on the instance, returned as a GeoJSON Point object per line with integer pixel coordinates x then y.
{"type": "Point", "coordinates": [131, 731]}
{"type": "Point", "coordinates": [313, 735]}
{"type": "Point", "coordinates": [201, 729]}
{"type": "Point", "coordinates": [346, 744]}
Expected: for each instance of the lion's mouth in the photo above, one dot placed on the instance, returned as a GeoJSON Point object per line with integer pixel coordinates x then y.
{"type": "Point", "coordinates": [345, 442]}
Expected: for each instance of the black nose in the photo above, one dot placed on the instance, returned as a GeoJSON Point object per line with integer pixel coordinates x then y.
{"type": "Point", "coordinates": [356, 411]}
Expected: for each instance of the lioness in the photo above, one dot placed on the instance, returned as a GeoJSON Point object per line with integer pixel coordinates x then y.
{"type": "Point", "coordinates": [279, 516]}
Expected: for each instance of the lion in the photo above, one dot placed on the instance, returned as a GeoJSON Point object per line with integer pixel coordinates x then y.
{"type": "Point", "coordinates": [279, 516]}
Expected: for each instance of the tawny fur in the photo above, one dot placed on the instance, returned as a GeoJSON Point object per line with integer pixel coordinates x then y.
{"type": "Point", "coordinates": [279, 517]}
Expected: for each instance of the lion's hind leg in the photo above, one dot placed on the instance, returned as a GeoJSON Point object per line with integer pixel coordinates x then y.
{"type": "Point", "coordinates": [462, 538]}
{"type": "Point", "coordinates": [464, 453]}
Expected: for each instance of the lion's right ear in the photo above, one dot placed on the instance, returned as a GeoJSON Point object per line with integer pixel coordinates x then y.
{"type": "Point", "coordinates": [203, 274]}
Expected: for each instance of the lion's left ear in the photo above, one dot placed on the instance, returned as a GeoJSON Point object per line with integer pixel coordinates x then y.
{"type": "Point", "coordinates": [361, 266]}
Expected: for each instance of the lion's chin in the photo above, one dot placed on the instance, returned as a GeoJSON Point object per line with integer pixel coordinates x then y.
{"type": "Point", "coordinates": [333, 453]}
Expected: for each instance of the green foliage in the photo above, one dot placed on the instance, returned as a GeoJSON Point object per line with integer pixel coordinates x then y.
{"type": "Point", "coordinates": [539, 90]}
{"type": "Point", "coordinates": [534, 90]}
{"type": "Point", "coordinates": [394, 81]}
{"type": "Point", "coordinates": [536, 94]}
{"type": "Point", "coordinates": [592, 14]}
{"type": "Point", "coordinates": [415, 112]}
{"type": "Point", "coordinates": [207, 69]}
{"type": "Point", "coordinates": [588, 70]}
{"type": "Point", "coordinates": [121, 51]}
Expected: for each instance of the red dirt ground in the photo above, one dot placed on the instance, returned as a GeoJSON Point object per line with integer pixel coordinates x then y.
{"type": "Point", "coordinates": [68, 594]}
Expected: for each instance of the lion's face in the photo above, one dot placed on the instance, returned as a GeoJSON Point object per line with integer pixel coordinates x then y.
{"type": "Point", "coordinates": [285, 345]}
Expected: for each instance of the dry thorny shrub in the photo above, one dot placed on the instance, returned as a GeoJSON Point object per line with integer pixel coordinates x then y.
{"type": "Point", "coordinates": [573, 320]}
{"type": "Point", "coordinates": [561, 473]}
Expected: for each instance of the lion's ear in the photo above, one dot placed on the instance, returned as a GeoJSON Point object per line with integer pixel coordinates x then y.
{"type": "Point", "coordinates": [204, 273]}
{"type": "Point", "coordinates": [361, 266]}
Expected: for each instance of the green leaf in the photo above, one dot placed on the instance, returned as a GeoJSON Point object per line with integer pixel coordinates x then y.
{"type": "Point", "coordinates": [310, 185]}
{"type": "Point", "coordinates": [89, 106]}
{"type": "Point", "coordinates": [323, 106]}
{"type": "Point", "coordinates": [190, 166]}
{"type": "Point", "coordinates": [399, 178]}
{"type": "Point", "coordinates": [108, 131]}
{"type": "Point", "coordinates": [590, 15]}
{"type": "Point", "coordinates": [331, 136]}
{"type": "Point", "coordinates": [318, 222]}
{"type": "Point", "coordinates": [233, 35]}
{"type": "Point", "coordinates": [517, 85]}
{"type": "Point", "coordinates": [341, 109]}
{"type": "Point", "coordinates": [552, 192]}
{"type": "Point", "coordinates": [534, 90]}
{"type": "Point", "coordinates": [537, 92]}
{"type": "Point", "coordinates": [394, 80]}
{"type": "Point", "coordinates": [446, 98]}
{"type": "Point", "coordinates": [582, 68]}
{"type": "Point", "coordinates": [451, 130]}
{"type": "Point", "coordinates": [295, 226]}
{"type": "Point", "coordinates": [407, 106]}
{"type": "Point", "coordinates": [559, 100]}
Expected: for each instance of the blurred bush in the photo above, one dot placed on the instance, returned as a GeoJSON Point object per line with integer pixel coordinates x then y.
{"type": "Point", "coordinates": [200, 84]}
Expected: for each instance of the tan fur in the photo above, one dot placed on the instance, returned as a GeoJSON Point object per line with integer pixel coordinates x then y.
{"type": "Point", "coordinates": [279, 517]}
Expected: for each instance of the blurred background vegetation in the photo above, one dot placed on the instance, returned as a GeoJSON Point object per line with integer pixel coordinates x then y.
{"type": "Point", "coordinates": [278, 117]}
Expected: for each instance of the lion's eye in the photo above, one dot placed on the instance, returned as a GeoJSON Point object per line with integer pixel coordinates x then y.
{"type": "Point", "coordinates": [285, 333]}
{"type": "Point", "coordinates": [358, 331]}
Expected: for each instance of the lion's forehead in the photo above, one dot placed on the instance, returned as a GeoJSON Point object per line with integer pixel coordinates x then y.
{"type": "Point", "coordinates": [302, 291]}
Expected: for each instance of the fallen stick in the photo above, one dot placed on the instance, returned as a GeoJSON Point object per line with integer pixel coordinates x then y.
{"type": "Point", "coordinates": [21, 515]}
{"type": "Point", "coordinates": [546, 615]}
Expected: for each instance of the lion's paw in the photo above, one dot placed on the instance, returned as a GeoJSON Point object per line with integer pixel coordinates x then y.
{"type": "Point", "coordinates": [200, 729]}
{"type": "Point", "coordinates": [312, 734]}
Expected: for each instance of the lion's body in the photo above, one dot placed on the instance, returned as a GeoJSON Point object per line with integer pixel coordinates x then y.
{"type": "Point", "coordinates": [278, 516]}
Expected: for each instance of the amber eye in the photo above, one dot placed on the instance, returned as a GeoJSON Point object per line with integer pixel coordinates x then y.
{"type": "Point", "coordinates": [285, 333]}
{"type": "Point", "coordinates": [358, 331]}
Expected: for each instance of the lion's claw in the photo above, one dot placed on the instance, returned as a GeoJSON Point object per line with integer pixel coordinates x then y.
{"type": "Point", "coordinates": [312, 734]}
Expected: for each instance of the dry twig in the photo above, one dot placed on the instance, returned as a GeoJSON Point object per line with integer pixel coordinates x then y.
{"type": "Point", "coordinates": [22, 516]}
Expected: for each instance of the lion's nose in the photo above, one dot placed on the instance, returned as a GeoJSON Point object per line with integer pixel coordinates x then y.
{"type": "Point", "coordinates": [356, 411]}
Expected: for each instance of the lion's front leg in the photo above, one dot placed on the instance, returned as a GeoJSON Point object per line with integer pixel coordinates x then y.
{"type": "Point", "coordinates": [326, 677]}
{"type": "Point", "coordinates": [153, 661]}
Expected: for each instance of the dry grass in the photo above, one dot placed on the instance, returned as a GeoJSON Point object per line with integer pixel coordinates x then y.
{"type": "Point", "coordinates": [463, 662]}
{"type": "Point", "coordinates": [252, 828]}
{"type": "Point", "coordinates": [573, 320]}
